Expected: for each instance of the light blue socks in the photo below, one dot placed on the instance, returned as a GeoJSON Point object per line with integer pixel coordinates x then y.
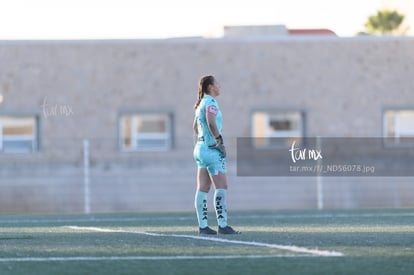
{"type": "Point", "coordinates": [221, 206]}
{"type": "Point", "coordinates": [201, 208]}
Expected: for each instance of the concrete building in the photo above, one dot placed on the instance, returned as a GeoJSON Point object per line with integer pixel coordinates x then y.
{"type": "Point", "coordinates": [132, 101]}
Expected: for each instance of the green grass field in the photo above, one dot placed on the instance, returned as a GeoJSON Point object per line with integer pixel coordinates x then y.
{"type": "Point", "coordinates": [273, 242]}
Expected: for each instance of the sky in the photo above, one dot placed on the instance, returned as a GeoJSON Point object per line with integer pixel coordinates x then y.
{"type": "Point", "coordinates": [135, 19]}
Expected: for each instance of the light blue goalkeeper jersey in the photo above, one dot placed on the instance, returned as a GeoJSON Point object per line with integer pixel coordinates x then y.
{"type": "Point", "coordinates": [207, 104]}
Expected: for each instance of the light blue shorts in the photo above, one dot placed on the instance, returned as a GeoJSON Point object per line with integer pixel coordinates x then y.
{"type": "Point", "coordinates": [210, 159]}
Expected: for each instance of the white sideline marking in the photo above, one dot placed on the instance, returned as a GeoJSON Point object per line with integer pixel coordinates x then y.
{"type": "Point", "coordinates": [153, 258]}
{"type": "Point", "coordinates": [291, 248]}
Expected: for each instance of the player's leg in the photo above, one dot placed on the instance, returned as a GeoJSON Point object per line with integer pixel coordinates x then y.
{"type": "Point", "coordinates": [219, 180]}
{"type": "Point", "coordinates": [203, 180]}
{"type": "Point", "coordinates": [200, 201]}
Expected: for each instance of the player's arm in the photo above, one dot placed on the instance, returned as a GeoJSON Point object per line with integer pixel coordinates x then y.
{"type": "Point", "coordinates": [211, 113]}
{"type": "Point", "coordinates": [211, 121]}
{"type": "Point", "coordinates": [212, 126]}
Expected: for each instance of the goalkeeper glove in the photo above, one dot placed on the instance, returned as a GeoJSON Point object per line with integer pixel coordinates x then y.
{"type": "Point", "coordinates": [219, 146]}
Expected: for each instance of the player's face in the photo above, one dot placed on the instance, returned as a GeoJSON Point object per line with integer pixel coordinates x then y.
{"type": "Point", "coordinates": [215, 88]}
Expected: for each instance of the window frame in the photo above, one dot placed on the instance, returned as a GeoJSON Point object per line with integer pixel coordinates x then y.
{"type": "Point", "coordinates": [35, 140]}
{"type": "Point", "coordinates": [396, 136]}
{"type": "Point", "coordinates": [168, 136]}
{"type": "Point", "coordinates": [285, 134]}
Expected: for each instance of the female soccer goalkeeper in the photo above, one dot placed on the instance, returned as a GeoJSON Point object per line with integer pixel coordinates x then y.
{"type": "Point", "coordinates": [210, 156]}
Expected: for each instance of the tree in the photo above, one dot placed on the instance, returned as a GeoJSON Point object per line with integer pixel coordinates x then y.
{"type": "Point", "coordinates": [385, 22]}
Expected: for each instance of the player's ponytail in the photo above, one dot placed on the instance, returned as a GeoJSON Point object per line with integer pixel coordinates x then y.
{"type": "Point", "coordinates": [203, 88]}
{"type": "Point", "coordinates": [200, 96]}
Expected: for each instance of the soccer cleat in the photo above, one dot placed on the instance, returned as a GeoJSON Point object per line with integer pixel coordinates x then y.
{"type": "Point", "coordinates": [206, 231]}
{"type": "Point", "coordinates": [228, 230]}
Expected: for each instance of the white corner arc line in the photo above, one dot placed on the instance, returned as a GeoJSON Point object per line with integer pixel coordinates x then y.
{"type": "Point", "coordinates": [291, 248]}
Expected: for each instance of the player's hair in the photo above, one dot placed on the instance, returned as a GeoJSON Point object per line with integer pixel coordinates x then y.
{"type": "Point", "coordinates": [205, 81]}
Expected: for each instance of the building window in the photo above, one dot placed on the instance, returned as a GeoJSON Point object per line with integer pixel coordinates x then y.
{"type": "Point", "coordinates": [277, 128]}
{"type": "Point", "coordinates": [146, 132]}
{"type": "Point", "coordinates": [18, 134]}
{"type": "Point", "coordinates": [399, 127]}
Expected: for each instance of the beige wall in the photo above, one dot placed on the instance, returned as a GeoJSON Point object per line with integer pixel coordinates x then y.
{"type": "Point", "coordinates": [341, 84]}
